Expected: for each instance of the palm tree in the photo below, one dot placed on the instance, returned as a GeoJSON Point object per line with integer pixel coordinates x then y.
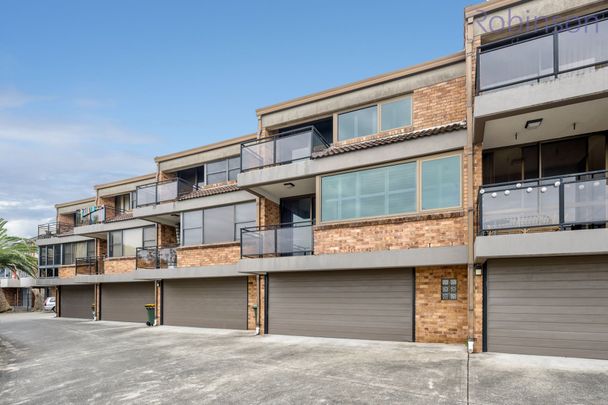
{"type": "Point", "coordinates": [16, 255]}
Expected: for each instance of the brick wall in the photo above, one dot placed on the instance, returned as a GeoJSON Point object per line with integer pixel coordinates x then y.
{"type": "Point", "coordinates": [67, 219]}
{"type": "Point", "coordinates": [269, 212]}
{"type": "Point", "coordinates": [102, 247]}
{"type": "Point", "coordinates": [114, 265]}
{"type": "Point", "coordinates": [439, 104]}
{"type": "Point", "coordinates": [428, 230]}
{"type": "Point", "coordinates": [478, 314]}
{"type": "Point", "coordinates": [440, 321]}
{"type": "Point", "coordinates": [207, 255]}
{"type": "Point", "coordinates": [166, 235]}
{"type": "Point", "coordinates": [67, 271]}
{"type": "Point", "coordinates": [12, 296]}
{"type": "Point", "coordinates": [252, 300]}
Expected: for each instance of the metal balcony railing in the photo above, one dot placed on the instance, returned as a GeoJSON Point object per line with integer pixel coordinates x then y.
{"type": "Point", "coordinates": [89, 265]}
{"type": "Point", "coordinates": [53, 229]}
{"type": "Point", "coordinates": [549, 52]}
{"type": "Point", "coordinates": [159, 192]}
{"type": "Point", "coordinates": [96, 215]}
{"type": "Point", "coordinates": [288, 239]}
{"type": "Point", "coordinates": [162, 257]}
{"type": "Point", "coordinates": [283, 148]}
{"type": "Point", "coordinates": [565, 202]}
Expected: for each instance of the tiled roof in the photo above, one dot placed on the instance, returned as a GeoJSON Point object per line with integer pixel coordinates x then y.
{"type": "Point", "coordinates": [213, 190]}
{"type": "Point", "coordinates": [351, 147]}
{"type": "Point", "coordinates": [120, 217]}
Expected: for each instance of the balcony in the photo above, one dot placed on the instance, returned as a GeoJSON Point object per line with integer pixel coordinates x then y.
{"type": "Point", "coordinates": [162, 191]}
{"type": "Point", "coordinates": [96, 215]}
{"type": "Point", "coordinates": [289, 239]}
{"type": "Point", "coordinates": [535, 58]}
{"type": "Point", "coordinates": [89, 266]}
{"type": "Point", "coordinates": [156, 258]}
{"type": "Point", "coordinates": [53, 229]}
{"type": "Point", "coordinates": [280, 149]}
{"type": "Point", "coordinates": [577, 201]}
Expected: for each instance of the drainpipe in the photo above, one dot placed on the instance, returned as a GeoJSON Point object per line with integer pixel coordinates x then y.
{"type": "Point", "coordinates": [469, 55]}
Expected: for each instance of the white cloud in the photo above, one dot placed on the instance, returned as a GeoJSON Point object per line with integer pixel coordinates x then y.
{"type": "Point", "coordinates": [11, 98]}
{"type": "Point", "coordinates": [26, 227]}
{"type": "Point", "coordinates": [48, 161]}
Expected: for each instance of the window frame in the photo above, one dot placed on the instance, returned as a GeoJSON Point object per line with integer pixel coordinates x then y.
{"type": "Point", "coordinates": [460, 176]}
{"type": "Point", "coordinates": [122, 248]}
{"type": "Point", "coordinates": [378, 105]}
{"type": "Point", "coordinates": [418, 211]}
{"type": "Point", "coordinates": [202, 227]}
{"type": "Point", "coordinates": [449, 293]}
{"type": "Point", "coordinates": [204, 181]}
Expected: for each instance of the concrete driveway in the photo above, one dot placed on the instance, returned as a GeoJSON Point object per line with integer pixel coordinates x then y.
{"type": "Point", "coordinates": [44, 359]}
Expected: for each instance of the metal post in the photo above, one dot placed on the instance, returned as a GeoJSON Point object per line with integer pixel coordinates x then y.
{"type": "Point", "coordinates": [561, 205]}
{"type": "Point", "coordinates": [555, 54]}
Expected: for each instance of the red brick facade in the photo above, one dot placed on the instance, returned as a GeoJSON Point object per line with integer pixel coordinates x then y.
{"type": "Point", "coordinates": [115, 265]}
{"type": "Point", "coordinates": [437, 320]}
{"type": "Point", "coordinates": [208, 255]}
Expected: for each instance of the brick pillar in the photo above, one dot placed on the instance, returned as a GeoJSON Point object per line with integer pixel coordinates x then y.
{"type": "Point", "coordinates": [252, 299]}
{"type": "Point", "coordinates": [158, 285]}
{"type": "Point", "coordinates": [97, 301]}
{"type": "Point", "coordinates": [478, 314]}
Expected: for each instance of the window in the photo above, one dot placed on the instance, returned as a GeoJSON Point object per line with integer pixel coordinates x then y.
{"type": "Point", "coordinates": [391, 190]}
{"type": "Point", "coordinates": [396, 114]}
{"type": "Point", "coordinates": [244, 216]}
{"type": "Point", "coordinates": [115, 244]}
{"type": "Point", "coordinates": [91, 250]}
{"type": "Point", "coordinates": [223, 170]}
{"type": "Point", "coordinates": [68, 253]}
{"type": "Point", "coordinates": [149, 238]}
{"type": "Point", "coordinates": [367, 193]}
{"type": "Point", "coordinates": [131, 240]}
{"type": "Point", "coordinates": [125, 242]}
{"type": "Point", "coordinates": [192, 228]}
{"type": "Point", "coordinates": [545, 159]}
{"type": "Point", "coordinates": [42, 256]}
{"type": "Point", "coordinates": [124, 202]}
{"type": "Point", "coordinates": [380, 117]}
{"type": "Point", "coordinates": [218, 224]}
{"type": "Point", "coordinates": [195, 175]}
{"type": "Point", "coordinates": [449, 289]}
{"type": "Point", "coordinates": [441, 183]}
{"type": "Point", "coordinates": [358, 123]}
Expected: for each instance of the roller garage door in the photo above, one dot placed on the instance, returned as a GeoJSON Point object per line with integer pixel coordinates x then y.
{"type": "Point", "coordinates": [360, 304]}
{"type": "Point", "coordinates": [207, 303]}
{"type": "Point", "coordinates": [76, 301]}
{"type": "Point", "coordinates": [553, 307]}
{"type": "Point", "coordinates": [126, 301]}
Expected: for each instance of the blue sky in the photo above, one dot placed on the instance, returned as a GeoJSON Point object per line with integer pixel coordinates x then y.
{"type": "Point", "coordinates": [90, 92]}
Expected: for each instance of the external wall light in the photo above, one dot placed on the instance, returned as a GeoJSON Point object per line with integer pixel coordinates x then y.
{"type": "Point", "coordinates": [533, 124]}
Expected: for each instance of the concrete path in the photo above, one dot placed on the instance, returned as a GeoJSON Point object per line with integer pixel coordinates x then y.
{"type": "Point", "coordinates": [48, 360]}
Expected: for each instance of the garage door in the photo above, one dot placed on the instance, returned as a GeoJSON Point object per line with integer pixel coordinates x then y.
{"type": "Point", "coordinates": [126, 301]}
{"type": "Point", "coordinates": [360, 304]}
{"type": "Point", "coordinates": [76, 301]}
{"type": "Point", "coordinates": [206, 303]}
{"type": "Point", "coordinates": [553, 307]}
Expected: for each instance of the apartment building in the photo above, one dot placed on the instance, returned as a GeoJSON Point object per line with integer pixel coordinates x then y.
{"type": "Point", "coordinates": [461, 200]}
{"type": "Point", "coordinates": [538, 98]}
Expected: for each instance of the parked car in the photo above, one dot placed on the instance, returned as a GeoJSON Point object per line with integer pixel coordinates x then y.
{"type": "Point", "coordinates": [49, 304]}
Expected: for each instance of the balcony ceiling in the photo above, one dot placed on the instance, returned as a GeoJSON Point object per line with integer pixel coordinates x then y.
{"type": "Point", "coordinates": [276, 191]}
{"type": "Point", "coordinates": [589, 116]}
